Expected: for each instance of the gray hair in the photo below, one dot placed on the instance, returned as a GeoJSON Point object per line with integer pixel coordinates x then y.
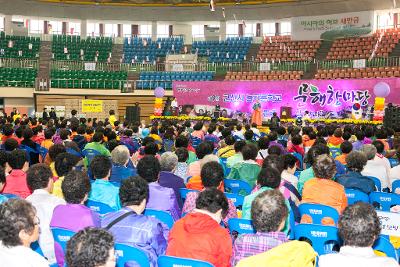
{"type": "Point", "coordinates": [209, 158]}
{"type": "Point", "coordinates": [369, 151]}
{"type": "Point", "coordinates": [120, 155]}
{"type": "Point", "coordinates": [168, 161]}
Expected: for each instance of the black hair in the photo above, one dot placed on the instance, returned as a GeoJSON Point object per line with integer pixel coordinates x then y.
{"type": "Point", "coordinates": [315, 151]}
{"type": "Point", "coordinates": [229, 140]}
{"type": "Point", "coordinates": [204, 149]}
{"type": "Point", "coordinates": [65, 162]}
{"type": "Point", "coordinates": [64, 134]}
{"type": "Point", "coordinates": [149, 168]}
{"type": "Point", "coordinates": [248, 135]}
{"type": "Point", "coordinates": [27, 133]}
{"type": "Point", "coordinates": [380, 148]}
{"type": "Point", "coordinates": [249, 152]}
{"type": "Point", "coordinates": [10, 144]}
{"type": "Point", "coordinates": [100, 166]}
{"type": "Point", "coordinates": [98, 136]}
{"type": "Point", "coordinates": [297, 140]}
{"type": "Point", "coordinates": [212, 200]}
{"type": "Point", "coordinates": [133, 191]}
{"type": "Point", "coordinates": [270, 177]}
{"type": "Point", "coordinates": [48, 134]}
{"type": "Point", "coordinates": [56, 149]}
{"type": "Point", "coordinates": [212, 174]}
{"type": "Point", "coordinates": [181, 141]}
{"type": "Point", "coordinates": [38, 176]}
{"type": "Point", "coordinates": [239, 145]}
{"type": "Point", "coordinates": [273, 136]}
{"type": "Point", "coordinates": [263, 142]}
{"type": "Point", "coordinates": [75, 187]}
{"type": "Point", "coordinates": [346, 147]}
{"type": "Point", "coordinates": [275, 150]}
{"type": "Point", "coordinates": [182, 154]}
{"type": "Point", "coordinates": [17, 159]}
{"type": "Point", "coordinates": [289, 161]}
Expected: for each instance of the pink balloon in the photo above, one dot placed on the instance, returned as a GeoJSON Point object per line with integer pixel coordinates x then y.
{"type": "Point", "coordinates": [381, 89]}
{"type": "Point", "coordinates": [159, 92]}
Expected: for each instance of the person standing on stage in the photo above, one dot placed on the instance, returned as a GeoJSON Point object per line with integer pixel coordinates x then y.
{"type": "Point", "coordinates": [256, 117]}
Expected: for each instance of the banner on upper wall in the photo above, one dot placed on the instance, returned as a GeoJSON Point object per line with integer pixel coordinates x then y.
{"type": "Point", "coordinates": [92, 106]}
{"type": "Point", "coordinates": [322, 98]}
{"type": "Point", "coordinates": [330, 27]}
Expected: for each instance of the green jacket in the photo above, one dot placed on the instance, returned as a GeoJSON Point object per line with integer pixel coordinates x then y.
{"type": "Point", "coordinates": [245, 171]}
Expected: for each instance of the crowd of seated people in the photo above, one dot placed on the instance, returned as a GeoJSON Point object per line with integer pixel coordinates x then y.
{"type": "Point", "coordinates": [185, 171]}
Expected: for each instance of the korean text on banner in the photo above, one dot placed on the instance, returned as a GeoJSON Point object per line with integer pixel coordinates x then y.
{"type": "Point", "coordinates": [390, 223]}
{"type": "Point", "coordinates": [92, 106]}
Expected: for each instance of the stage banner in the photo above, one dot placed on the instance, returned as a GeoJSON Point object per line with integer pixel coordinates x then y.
{"type": "Point", "coordinates": [323, 98]}
{"type": "Point", "coordinates": [330, 27]}
{"type": "Point", "coordinates": [92, 106]}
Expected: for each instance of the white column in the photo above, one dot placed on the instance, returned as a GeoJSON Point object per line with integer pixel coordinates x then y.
{"type": "Point", "coordinates": [154, 30]}
{"type": "Point", "coordinates": [8, 24]}
{"type": "Point", "coordinates": [222, 30]}
{"type": "Point", "coordinates": [83, 28]}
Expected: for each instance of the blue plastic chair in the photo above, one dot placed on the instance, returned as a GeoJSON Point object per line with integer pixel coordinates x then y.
{"type": "Point", "coordinates": [395, 185]}
{"type": "Point", "coordinates": [384, 201]}
{"type": "Point", "coordinates": [89, 154]}
{"type": "Point", "coordinates": [393, 162]}
{"type": "Point", "coordinates": [318, 212]}
{"type": "Point", "coordinates": [36, 247]}
{"type": "Point", "coordinates": [184, 191]}
{"type": "Point", "coordinates": [299, 157]}
{"type": "Point", "coordinates": [319, 235]}
{"type": "Point", "coordinates": [29, 151]}
{"type": "Point", "coordinates": [225, 167]}
{"type": "Point", "coordinates": [99, 207]}
{"type": "Point", "coordinates": [377, 183]}
{"type": "Point", "coordinates": [354, 196]}
{"type": "Point", "coordinates": [73, 152]}
{"type": "Point", "coordinates": [62, 236]}
{"type": "Point", "coordinates": [383, 244]}
{"type": "Point", "coordinates": [161, 215]}
{"type": "Point", "coordinates": [43, 152]}
{"type": "Point", "coordinates": [240, 226]}
{"type": "Point", "coordinates": [236, 186]}
{"type": "Point", "coordinates": [128, 253]}
{"type": "Point", "coordinates": [195, 141]}
{"type": "Point", "coordinates": [335, 152]}
{"type": "Point", "coordinates": [168, 261]}
{"type": "Point", "coordinates": [8, 195]}
{"type": "Point", "coordinates": [236, 199]}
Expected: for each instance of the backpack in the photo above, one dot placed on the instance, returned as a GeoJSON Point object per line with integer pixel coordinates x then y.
{"type": "Point", "coordinates": [291, 254]}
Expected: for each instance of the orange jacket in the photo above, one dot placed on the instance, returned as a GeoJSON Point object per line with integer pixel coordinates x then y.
{"type": "Point", "coordinates": [325, 192]}
{"type": "Point", "coordinates": [195, 183]}
{"type": "Point", "coordinates": [335, 141]}
{"type": "Point", "coordinates": [198, 236]}
{"type": "Point", "coordinates": [342, 158]}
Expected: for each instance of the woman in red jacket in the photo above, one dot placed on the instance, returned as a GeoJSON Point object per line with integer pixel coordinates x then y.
{"type": "Point", "coordinates": [199, 236]}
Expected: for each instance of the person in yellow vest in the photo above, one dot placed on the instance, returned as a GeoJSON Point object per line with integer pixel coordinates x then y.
{"type": "Point", "coordinates": [112, 118]}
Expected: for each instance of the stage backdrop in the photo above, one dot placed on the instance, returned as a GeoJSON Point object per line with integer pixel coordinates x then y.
{"type": "Point", "coordinates": [320, 97]}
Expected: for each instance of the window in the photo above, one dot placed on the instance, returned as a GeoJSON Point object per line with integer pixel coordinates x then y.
{"type": "Point", "coordinates": [385, 21]}
{"type": "Point", "coordinates": [110, 30]}
{"type": "Point", "coordinates": [54, 27]}
{"type": "Point", "coordinates": [74, 28]}
{"type": "Point", "coordinates": [93, 29]}
{"type": "Point", "coordinates": [126, 30]}
{"type": "Point", "coordinates": [145, 30]}
{"type": "Point", "coordinates": [1, 23]}
{"type": "Point", "coordinates": [17, 19]}
{"type": "Point", "coordinates": [232, 30]}
{"type": "Point", "coordinates": [269, 29]}
{"type": "Point", "coordinates": [198, 30]}
{"type": "Point", "coordinates": [162, 30]}
{"type": "Point", "coordinates": [36, 26]}
{"type": "Point", "coordinates": [286, 28]}
{"type": "Point", "coordinates": [250, 29]}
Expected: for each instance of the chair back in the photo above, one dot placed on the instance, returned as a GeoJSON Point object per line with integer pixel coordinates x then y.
{"type": "Point", "coordinates": [236, 199]}
{"type": "Point", "coordinates": [335, 151]}
{"type": "Point", "coordinates": [396, 185]}
{"type": "Point", "coordinates": [184, 191]}
{"type": "Point", "coordinates": [384, 201]}
{"type": "Point", "coordinates": [43, 152]}
{"type": "Point", "coordinates": [195, 141]}
{"type": "Point", "coordinates": [393, 162]}
{"type": "Point", "coordinates": [73, 152]}
{"type": "Point", "coordinates": [8, 195]}
{"type": "Point", "coordinates": [299, 157]}
{"type": "Point", "coordinates": [240, 226]}
{"type": "Point", "coordinates": [377, 183]}
{"type": "Point", "coordinates": [318, 212]}
{"type": "Point", "coordinates": [128, 253]}
{"type": "Point", "coordinates": [225, 167]}
{"type": "Point", "coordinates": [99, 207]}
{"type": "Point", "coordinates": [36, 247]}
{"type": "Point", "coordinates": [161, 215]}
{"type": "Point", "coordinates": [237, 186]}
{"type": "Point", "coordinates": [62, 236]}
{"type": "Point", "coordinates": [168, 261]}
{"type": "Point", "coordinates": [319, 235]}
{"type": "Point", "coordinates": [89, 154]}
{"type": "Point", "coordinates": [383, 244]}
{"type": "Point", "coordinates": [354, 196]}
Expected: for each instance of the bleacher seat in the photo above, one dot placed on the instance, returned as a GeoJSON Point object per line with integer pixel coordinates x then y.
{"type": "Point", "coordinates": [66, 47]}
{"type": "Point", "coordinates": [19, 46]}
{"type": "Point", "coordinates": [17, 77]}
{"type": "Point", "coordinates": [152, 79]}
{"type": "Point", "coordinates": [139, 50]}
{"type": "Point", "coordinates": [233, 49]}
{"type": "Point", "coordinates": [88, 79]}
{"type": "Point", "coordinates": [264, 75]}
{"type": "Point", "coordinates": [351, 73]}
{"type": "Point", "coordinates": [282, 48]}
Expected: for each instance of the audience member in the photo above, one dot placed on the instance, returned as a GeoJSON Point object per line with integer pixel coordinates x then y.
{"type": "Point", "coordinates": [375, 168]}
{"type": "Point", "coordinates": [64, 163]}
{"type": "Point", "coordinates": [345, 148]}
{"type": "Point", "coordinates": [248, 169]}
{"type": "Point", "coordinates": [182, 166]}
{"type": "Point", "coordinates": [122, 168]}
{"type": "Point", "coordinates": [16, 181]}
{"type": "Point", "coordinates": [238, 157]}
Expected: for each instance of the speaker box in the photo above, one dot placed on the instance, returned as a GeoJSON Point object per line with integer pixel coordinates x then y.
{"type": "Point", "coordinates": [133, 114]}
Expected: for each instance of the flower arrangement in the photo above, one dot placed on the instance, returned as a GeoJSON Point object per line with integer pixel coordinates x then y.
{"type": "Point", "coordinates": [340, 121]}
{"type": "Point", "coordinates": [185, 118]}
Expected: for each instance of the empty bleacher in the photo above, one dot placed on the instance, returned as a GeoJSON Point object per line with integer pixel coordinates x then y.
{"type": "Point", "coordinates": [233, 49]}
{"type": "Point", "coordinates": [19, 46]}
{"type": "Point", "coordinates": [152, 79]}
{"type": "Point", "coordinates": [82, 79]}
{"type": "Point", "coordinates": [351, 73]}
{"type": "Point", "coordinates": [282, 48]}
{"type": "Point", "coordinates": [140, 49]}
{"type": "Point", "coordinates": [263, 75]}
{"type": "Point", "coordinates": [363, 47]}
{"type": "Point", "coordinates": [65, 47]}
{"type": "Point", "coordinates": [17, 77]}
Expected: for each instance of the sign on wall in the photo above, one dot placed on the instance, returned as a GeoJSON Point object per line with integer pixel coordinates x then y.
{"type": "Point", "coordinates": [330, 27]}
{"type": "Point", "coordinates": [90, 66]}
{"type": "Point", "coordinates": [92, 106]}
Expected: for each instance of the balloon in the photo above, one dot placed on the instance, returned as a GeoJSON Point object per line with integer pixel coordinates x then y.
{"type": "Point", "coordinates": [382, 89]}
{"type": "Point", "coordinates": [159, 92]}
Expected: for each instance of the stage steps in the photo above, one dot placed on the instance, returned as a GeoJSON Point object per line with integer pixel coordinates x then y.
{"type": "Point", "coordinates": [323, 50]}
{"type": "Point", "coordinates": [45, 56]}
{"type": "Point", "coordinates": [396, 51]}
{"type": "Point", "coordinates": [310, 73]}
{"type": "Point", "coordinates": [116, 53]}
{"type": "Point", "coordinates": [253, 51]}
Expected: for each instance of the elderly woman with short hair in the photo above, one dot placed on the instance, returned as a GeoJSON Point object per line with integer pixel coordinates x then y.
{"type": "Point", "coordinates": [353, 179]}
{"type": "Point", "coordinates": [168, 162]}
{"type": "Point", "coordinates": [323, 189]}
{"type": "Point", "coordinates": [374, 167]}
{"type": "Point", "coordinates": [121, 168]}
